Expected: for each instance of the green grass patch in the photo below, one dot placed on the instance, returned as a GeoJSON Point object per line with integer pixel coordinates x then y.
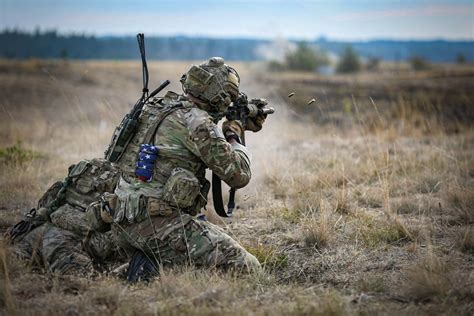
{"type": "Point", "coordinates": [17, 154]}
{"type": "Point", "coordinates": [268, 256]}
{"type": "Point", "coordinates": [374, 232]}
{"type": "Point", "coordinates": [290, 215]}
{"type": "Point", "coordinates": [372, 284]}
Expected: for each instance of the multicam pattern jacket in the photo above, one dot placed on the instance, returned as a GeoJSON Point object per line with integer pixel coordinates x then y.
{"type": "Point", "coordinates": [187, 139]}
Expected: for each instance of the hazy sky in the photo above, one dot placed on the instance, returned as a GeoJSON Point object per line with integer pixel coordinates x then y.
{"type": "Point", "coordinates": [336, 19]}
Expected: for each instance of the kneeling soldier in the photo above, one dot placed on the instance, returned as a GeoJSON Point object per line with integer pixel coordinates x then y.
{"type": "Point", "coordinates": [163, 186]}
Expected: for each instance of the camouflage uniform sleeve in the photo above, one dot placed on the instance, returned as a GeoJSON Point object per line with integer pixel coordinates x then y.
{"type": "Point", "coordinates": [206, 140]}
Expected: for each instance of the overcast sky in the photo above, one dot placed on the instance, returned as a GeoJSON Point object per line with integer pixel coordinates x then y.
{"type": "Point", "coordinates": [299, 19]}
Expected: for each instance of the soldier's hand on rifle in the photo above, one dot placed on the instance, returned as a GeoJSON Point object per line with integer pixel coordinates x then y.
{"type": "Point", "coordinates": [255, 122]}
{"type": "Point", "coordinates": [251, 114]}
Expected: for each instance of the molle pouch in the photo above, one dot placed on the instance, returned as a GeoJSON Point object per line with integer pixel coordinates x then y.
{"type": "Point", "coordinates": [158, 207]}
{"type": "Point", "coordinates": [50, 195]}
{"type": "Point", "coordinates": [181, 188]}
{"type": "Point", "coordinates": [201, 200]}
{"type": "Point", "coordinates": [94, 219]}
{"type": "Point", "coordinates": [71, 219]}
{"type": "Point", "coordinates": [83, 184]}
{"type": "Point", "coordinates": [88, 180]}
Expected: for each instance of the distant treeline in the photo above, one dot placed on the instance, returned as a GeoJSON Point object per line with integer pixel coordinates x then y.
{"type": "Point", "coordinates": [435, 51]}
{"type": "Point", "coordinates": [50, 44]}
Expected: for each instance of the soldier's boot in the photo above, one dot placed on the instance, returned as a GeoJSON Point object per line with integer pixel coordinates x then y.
{"type": "Point", "coordinates": [142, 267]}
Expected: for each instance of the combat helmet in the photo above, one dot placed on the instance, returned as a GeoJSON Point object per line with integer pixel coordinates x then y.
{"type": "Point", "coordinates": [214, 83]}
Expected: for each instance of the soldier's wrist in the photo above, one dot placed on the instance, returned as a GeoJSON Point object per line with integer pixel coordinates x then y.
{"type": "Point", "coordinates": [232, 137]}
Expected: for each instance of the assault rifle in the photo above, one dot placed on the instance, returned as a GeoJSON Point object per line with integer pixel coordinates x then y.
{"type": "Point", "coordinates": [124, 132]}
{"type": "Point", "coordinates": [241, 110]}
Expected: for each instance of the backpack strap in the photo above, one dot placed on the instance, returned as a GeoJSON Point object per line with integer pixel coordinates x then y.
{"type": "Point", "coordinates": [150, 135]}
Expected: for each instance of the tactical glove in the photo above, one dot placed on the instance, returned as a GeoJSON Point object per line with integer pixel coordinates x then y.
{"type": "Point", "coordinates": [108, 204]}
{"type": "Point", "coordinates": [255, 121]}
{"type": "Point", "coordinates": [232, 129]}
{"type": "Point", "coordinates": [255, 124]}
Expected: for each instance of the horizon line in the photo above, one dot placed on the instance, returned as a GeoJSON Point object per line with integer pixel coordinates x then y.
{"type": "Point", "coordinates": [236, 37]}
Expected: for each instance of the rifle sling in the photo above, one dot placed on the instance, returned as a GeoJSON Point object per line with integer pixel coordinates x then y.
{"type": "Point", "coordinates": [217, 196]}
{"type": "Point", "coordinates": [217, 193]}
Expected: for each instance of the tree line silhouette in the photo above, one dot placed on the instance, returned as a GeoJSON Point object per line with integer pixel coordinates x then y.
{"type": "Point", "coordinates": [51, 44]}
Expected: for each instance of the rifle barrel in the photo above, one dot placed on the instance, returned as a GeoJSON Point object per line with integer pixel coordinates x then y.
{"type": "Point", "coordinates": [268, 110]}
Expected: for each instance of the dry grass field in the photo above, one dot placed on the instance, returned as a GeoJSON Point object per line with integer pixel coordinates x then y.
{"type": "Point", "coordinates": [361, 202]}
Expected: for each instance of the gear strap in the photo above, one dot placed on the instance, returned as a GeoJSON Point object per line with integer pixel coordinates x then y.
{"type": "Point", "coordinates": [219, 201]}
{"type": "Point", "coordinates": [150, 135]}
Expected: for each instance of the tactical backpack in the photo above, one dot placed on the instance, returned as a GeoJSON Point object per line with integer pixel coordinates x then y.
{"type": "Point", "coordinates": [86, 182]}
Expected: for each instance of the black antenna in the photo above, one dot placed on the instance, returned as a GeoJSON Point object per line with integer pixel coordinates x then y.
{"type": "Point", "coordinates": [141, 46]}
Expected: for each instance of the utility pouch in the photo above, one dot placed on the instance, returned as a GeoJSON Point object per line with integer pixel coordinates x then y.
{"type": "Point", "coordinates": [181, 188]}
{"type": "Point", "coordinates": [71, 219]}
{"type": "Point", "coordinates": [201, 200]}
{"type": "Point", "coordinates": [158, 207]}
{"type": "Point", "coordinates": [88, 180]}
{"type": "Point", "coordinates": [50, 195]}
{"type": "Point", "coordinates": [94, 218]}
{"type": "Point", "coordinates": [120, 138]}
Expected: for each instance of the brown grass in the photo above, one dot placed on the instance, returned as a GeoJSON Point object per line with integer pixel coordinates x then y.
{"type": "Point", "coordinates": [6, 298]}
{"type": "Point", "coordinates": [462, 202]}
{"type": "Point", "coordinates": [465, 240]}
{"type": "Point", "coordinates": [359, 204]}
{"type": "Point", "coordinates": [430, 277]}
{"type": "Point", "coordinates": [318, 231]}
{"type": "Point", "coordinates": [434, 277]}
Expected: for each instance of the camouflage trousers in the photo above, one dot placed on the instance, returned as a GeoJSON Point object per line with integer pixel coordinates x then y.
{"type": "Point", "coordinates": [58, 250]}
{"type": "Point", "coordinates": [184, 239]}
{"type": "Point", "coordinates": [62, 251]}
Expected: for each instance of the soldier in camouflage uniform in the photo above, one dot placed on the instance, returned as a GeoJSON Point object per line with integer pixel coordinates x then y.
{"type": "Point", "coordinates": [58, 235]}
{"type": "Point", "coordinates": [157, 216]}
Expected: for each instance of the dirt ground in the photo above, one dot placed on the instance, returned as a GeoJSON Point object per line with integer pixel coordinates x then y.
{"type": "Point", "coordinates": [361, 202]}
